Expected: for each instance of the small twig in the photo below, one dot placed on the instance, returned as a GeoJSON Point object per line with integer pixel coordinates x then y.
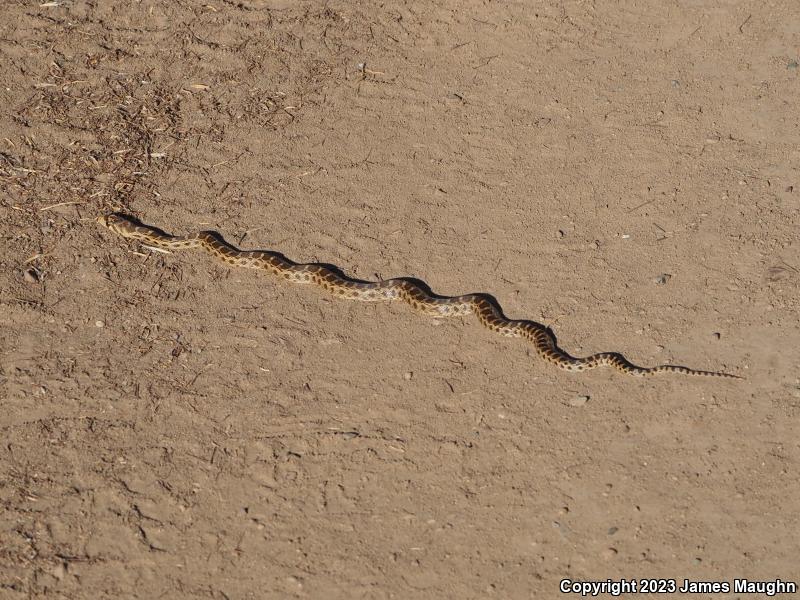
{"type": "Point", "coordinates": [485, 62]}
{"type": "Point", "coordinates": [744, 23]}
{"type": "Point", "coordinates": [641, 205]}
{"type": "Point", "coordinates": [155, 249]}
{"type": "Point", "coordinates": [457, 46]}
{"type": "Point", "coordinates": [59, 204]}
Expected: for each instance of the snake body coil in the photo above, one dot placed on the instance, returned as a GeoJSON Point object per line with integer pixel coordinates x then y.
{"type": "Point", "coordinates": [414, 293]}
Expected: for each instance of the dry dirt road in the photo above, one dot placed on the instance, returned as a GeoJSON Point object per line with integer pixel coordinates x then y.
{"type": "Point", "coordinates": [626, 173]}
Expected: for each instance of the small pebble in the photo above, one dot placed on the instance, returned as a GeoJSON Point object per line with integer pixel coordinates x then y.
{"type": "Point", "coordinates": [99, 324]}
{"type": "Point", "coordinates": [612, 530]}
{"type": "Point", "coordinates": [31, 276]}
{"type": "Point", "coordinates": [790, 188]}
{"type": "Point", "coordinates": [609, 553]}
{"type": "Point", "coordinates": [579, 400]}
{"type": "Point", "coordinates": [663, 278]}
{"type": "Point", "coordinates": [717, 335]}
{"type": "Point", "coordinates": [408, 375]}
{"type": "Point", "coordinates": [59, 571]}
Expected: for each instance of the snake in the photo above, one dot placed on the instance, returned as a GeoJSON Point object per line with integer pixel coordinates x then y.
{"type": "Point", "coordinates": [413, 292]}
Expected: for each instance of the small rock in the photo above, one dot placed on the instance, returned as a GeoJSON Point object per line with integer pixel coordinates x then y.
{"type": "Point", "coordinates": [579, 400]}
{"type": "Point", "coordinates": [408, 375]}
{"type": "Point", "coordinates": [59, 571]}
{"type": "Point", "coordinates": [31, 276]}
{"type": "Point", "coordinates": [99, 324]}
{"type": "Point", "coordinates": [663, 278]}
{"type": "Point", "coordinates": [612, 530]}
{"type": "Point", "coordinates": [717, 335]}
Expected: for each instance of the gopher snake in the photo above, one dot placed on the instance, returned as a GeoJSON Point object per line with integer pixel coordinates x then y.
{"type": "Point", "coordinates": [411, 291]}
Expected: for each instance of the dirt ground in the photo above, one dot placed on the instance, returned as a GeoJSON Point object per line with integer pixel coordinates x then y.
{"type": "Point", "coordinates": [626, 173]}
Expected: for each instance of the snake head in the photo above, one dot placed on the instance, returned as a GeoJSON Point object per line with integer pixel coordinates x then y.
{"type": "Point", "coordinates": [114, 221]}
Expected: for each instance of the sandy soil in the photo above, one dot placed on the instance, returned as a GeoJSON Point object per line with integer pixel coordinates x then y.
{"type": "Point", "coordinates": [624, 172]}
